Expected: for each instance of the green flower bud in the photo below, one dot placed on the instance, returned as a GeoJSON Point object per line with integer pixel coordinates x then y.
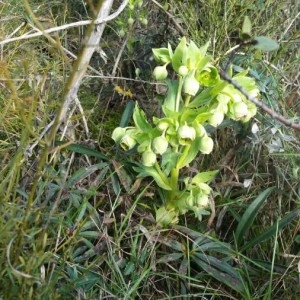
{"type": "Point", "coordinates": [216, 119]}
{"type": "Point", "coordinates": [144, 21]}
{"type": "Point", "coordinates": [239, 110]}
{"type": "Point", "coordinates": [160, 72]}
{"type": "Point", "coordinates": [163, 125]}
{"type": "Point", "coordinates": [190, 85]}
{"type": "Point", "coordinates": [183, 70]}
{"type": "Point", "coordinates": [200, 130]}
{"type": "Point", "coordinates": [160, 145]}
{"type": "Point", "coordinates": [127, 142]}
{"type": "Point", "coordinates": [140, 3]}
{"type": "Point", "coordinates": [121, 33]}
{"type": "Point", "coordinates": [206, 145]}
{"type": "Point", "coordinates": [202, 200]}
{"type": "Point", "coordinates": [148, 158]}
{"type": "Point", "coordinates": [186, 134]}
{"type": "Point", "coordinates": [130, 21]}
{"type": "Point", "coordinates": [118, 133]}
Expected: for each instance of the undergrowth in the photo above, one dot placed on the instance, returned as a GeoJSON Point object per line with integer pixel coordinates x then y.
{"type": "Point", "coordinates": [76, 223]}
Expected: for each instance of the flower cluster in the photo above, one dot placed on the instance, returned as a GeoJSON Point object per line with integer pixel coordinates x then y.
{"type": "Point", "coordinates": [198, 98]}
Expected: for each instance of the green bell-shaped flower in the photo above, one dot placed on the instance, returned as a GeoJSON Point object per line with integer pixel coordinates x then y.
{"type": "Point", "coordinates": [239, 110]}
{"type": "Point", "coordinates": [190, 84]}
{"type": "Point", "coordinates": [216, 119]}
{"type": "Point", "coordinates": [160, 145]}
{"type": "Point", "coordinates": [127, 142]}
{"type": "Point", "coordinates": [206, 145]}
{"type": "Point", "coordinates": [202, 200]}
{"type": "Point", "coordinates": [118, 133]}
{"type": "Point", "coordinates": [186, 134]}
{"type": "Point", "coordinates": [148, 158]}
{"type": "Point", "coordinates": [160, 72]}
{"type": "Point", "coordinates": [183, 70]}
{"type": "Point", "coordinates": [208, 76]}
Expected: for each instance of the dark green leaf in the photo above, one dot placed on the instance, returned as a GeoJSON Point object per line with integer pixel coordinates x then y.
{"type": "Point", "coordinates": [170, 257]}
{"type": "Point", "coordinates": [249, 216]}
{"type": "Point", "coordinates": [220, 270]}
{"type": "Point", "coordinates": [271, 231]}
{"type": "Point", "coordinates": [127, 114]}
{"type": "Point", "coordinates": [83, 150]}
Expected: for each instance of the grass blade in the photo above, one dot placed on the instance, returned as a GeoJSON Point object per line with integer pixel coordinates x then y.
{"type": "Point", "coordinates": [273, 229]}
{"type": "Point", "coordinates": [249, 216]}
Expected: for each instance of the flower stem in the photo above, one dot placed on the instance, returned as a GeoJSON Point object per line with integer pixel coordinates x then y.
{"type": "Point", "coordinates": [187, 100]}
{"type": "Point", "coordinates": [178, 96]}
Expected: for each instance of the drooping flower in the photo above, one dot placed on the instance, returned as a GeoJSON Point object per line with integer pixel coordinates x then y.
{"type": "Point", "coordinates": [160, 145]}
{"type": "Point", "coordinates": [127, 142]}
{"type": "Point", "coordinates": [160, 72]}
{"type": "Point", "coordinates": [206, 145]}
{"type": "Point", "coordinates": [148, 158]}
{"type": "Point", "coordinates": [190, 85]}
{"type": "Point", "coordinates": [186, 134]}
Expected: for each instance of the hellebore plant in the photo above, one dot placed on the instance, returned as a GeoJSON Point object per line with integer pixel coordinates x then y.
{"type": "Point", "coordinates": [168, 144]}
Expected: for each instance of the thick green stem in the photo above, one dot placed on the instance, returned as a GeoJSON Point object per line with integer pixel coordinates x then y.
{"type": "Point", "coordinates": [178, 96]}
{"type": "Point", "coordinates": [174, 178]}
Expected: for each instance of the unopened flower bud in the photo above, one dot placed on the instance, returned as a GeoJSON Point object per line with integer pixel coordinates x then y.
{"type": "Point", "coordinates": [190, 85]}
{"type": "Point", "coordinates": [216, 119]}
{"type": "Point", "coordinates": [160, 145]}
{"type": "Point", "coordinates": [160, 72]}
{"type": "Point", "coordinates": [130, 21]}
{"type": "Point", "coordinates": [202, 200]}
{"type": "Point", "coordinates": [206, 145]}
{"type": "Point", "coordinates": [148, 158]}
{"type": "Point", "coordinates": [183, 70]}
{"type": "Point", "coordinates": [163, 125]}
{"type": "Point", "coordinates": [144, 21]}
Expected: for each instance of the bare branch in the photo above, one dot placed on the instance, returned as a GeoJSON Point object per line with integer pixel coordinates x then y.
{"type": "Point", "coordinates": [67, 26]}
{"type": "Point", "coordinates": [260, 104]}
